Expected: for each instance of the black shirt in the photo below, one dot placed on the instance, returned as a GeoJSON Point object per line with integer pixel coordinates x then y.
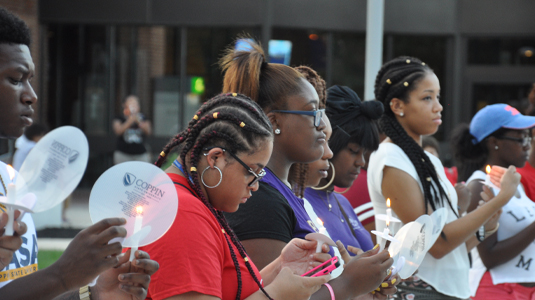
{"type": "Point", "coordinates": [267, 214]}
{"type": "Point", "coordinates": [131, 141]}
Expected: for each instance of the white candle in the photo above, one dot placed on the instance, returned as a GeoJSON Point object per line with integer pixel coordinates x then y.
{"type": "Point", "coordinates": [487, 178]}
{"type": "Point", "coordinates": [11, 199]}
{"type": "Point", "coordinates": [382, 244]}
{"type": "Point", "coordinates": [388, 212]}
{"type": "Point", "coordinates": [137, 227]}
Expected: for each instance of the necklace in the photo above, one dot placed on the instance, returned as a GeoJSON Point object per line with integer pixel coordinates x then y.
{"type": "Point", "coordinates": [329, 205]}
{"type": "Point", "coordinates": [285, 183]}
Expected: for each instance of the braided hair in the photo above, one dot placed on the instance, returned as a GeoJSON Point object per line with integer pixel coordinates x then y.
{"type": "Point", "coordinates": [396, 79]}
{"type": "Point", "coordinates": [299, 171]}
{"type": "Point", "coordinates": [236, 123]}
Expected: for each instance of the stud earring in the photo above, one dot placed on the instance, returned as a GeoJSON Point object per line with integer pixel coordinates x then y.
{"type": "Point", "coordinates": [496, 147]}
{"type": "Point", "coordinates": [277, 131]}
{"type": "Point", "coordinates": [401, 114]}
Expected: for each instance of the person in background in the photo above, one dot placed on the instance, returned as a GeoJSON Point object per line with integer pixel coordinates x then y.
{"type": "Point", "coordinates": [498, 135]}
{"type": "Point", "coordinates": [430, 144]}
{"type": "Point", "coordinates": [130, 129]}
{"type": "Point", "coordinates": [359, 196]}
{"type": "Point", "coordinates": [25, 143]}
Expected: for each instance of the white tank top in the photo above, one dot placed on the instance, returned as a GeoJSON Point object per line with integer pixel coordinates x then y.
{"type": "Point", "coordinates": [517, 214]}
{"type": "Point", "coordinates": [448, 275]}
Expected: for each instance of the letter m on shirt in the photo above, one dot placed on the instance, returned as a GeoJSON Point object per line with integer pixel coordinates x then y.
{"type": "Point", "coordinates": [524, 265]}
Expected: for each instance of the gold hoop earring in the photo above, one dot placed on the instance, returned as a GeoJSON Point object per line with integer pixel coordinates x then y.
{"type": "Point", "coordinates": [330, 181]}
{"type": "Point", "coordinates": [345, 191]}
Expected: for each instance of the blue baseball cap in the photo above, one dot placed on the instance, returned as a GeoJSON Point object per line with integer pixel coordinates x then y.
{"type": "Point", "coordinates": [496, 116]}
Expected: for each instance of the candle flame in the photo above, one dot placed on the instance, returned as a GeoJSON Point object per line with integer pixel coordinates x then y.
{"type": "Point", "coordinates": [388, 202]}
{"type": "Point", "coordinates": [320, 221]}
{"type": "Point", "coordinates": [488, 169]}
{"type": "Point", "coordinates": [11, 172]}
{"type": "Point", "coordinates": [139, 210]}
{"type": "Point", "coordinates": [387, 223]}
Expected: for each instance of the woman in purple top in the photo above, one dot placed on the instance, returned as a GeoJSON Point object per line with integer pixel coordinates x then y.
{"type": "Point", "coordinates": [354, 132]}
{"type": "Point", "coordinates": [273, 214]}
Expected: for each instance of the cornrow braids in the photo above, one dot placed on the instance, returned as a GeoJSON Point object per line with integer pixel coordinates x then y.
{"type": "Point", "coordinates": [233, 99]}
{"type": "Point", "coordinates": [396, 79]}
{"type": "Point", "coordinates": [299, 171]}
{"type": "Point", "coordinates": [317, 82]}
{"type": "Point", "coordinates": [236, 123]}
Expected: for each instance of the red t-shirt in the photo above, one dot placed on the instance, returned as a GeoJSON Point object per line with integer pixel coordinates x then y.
{"type": "Point", "coordinates": [359, 197]}
{"type": "Point", "coordinates": [194, 255]}
{"type": "Point", "coordinates": [528, 180]}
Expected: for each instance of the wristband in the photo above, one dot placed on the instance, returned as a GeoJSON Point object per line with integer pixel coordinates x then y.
{"type": "Point", "coordinates": [85, 293]}
{"type": "Point", "coordinates": [330, 290]}
{"type": "Point", "coordinates": [490, 232]}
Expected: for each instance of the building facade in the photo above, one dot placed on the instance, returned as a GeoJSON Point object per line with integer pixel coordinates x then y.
{"type": "Point", "coordinates": [91, 54]}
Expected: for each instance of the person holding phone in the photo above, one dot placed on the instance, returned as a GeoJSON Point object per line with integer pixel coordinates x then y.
{"type": "Point", "coordinates": [222, 156]}
{"type": "Point", "coordinates": [130, 129]}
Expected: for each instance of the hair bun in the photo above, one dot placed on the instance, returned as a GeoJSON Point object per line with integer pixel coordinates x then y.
{"type": "Point", "coordinates": [372, 109]}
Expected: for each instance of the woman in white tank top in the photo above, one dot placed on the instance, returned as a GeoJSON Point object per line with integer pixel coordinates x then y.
{"type": "Point", "coordinates": [502, 263]}
{"type": "Point", "coordinates": [416, 183]}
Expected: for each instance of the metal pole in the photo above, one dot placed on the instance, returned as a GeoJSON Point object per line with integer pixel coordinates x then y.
{"type": "Point", "coordinates": [374, 45]}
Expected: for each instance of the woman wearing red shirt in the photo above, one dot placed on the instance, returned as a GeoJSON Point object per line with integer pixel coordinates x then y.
{"type": "Point", "coordinates": [222, 156]}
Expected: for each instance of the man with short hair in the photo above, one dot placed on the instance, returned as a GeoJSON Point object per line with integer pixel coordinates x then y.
{"type": "Point", "coordinates": [89, 254]}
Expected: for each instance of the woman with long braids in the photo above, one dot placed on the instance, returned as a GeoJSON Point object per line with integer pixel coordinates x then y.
{"type": "Point", "coordinates": [274, 215]}
{"type": "Point", "coordinates": [222, 157]}
{"type": "Point", "coordinates": [415, 181]}
{"type": "Point", "coordinates": [499, 136]}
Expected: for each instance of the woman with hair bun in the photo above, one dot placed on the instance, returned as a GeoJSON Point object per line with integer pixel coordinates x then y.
{"type": "Point", "coordinates": [353, 134]}
{"type": "Point", "coordinates": [274, 215]}
{"type": "Point", "coordinates": [499, 136]}
{"type": "Point", "coordinates": [415, 181]}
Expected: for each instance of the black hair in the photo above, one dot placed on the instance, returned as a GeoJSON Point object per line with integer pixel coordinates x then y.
{"type": "Point", "coordinates": [429, 141]}
{"type": "Point", "coordinates": [470, 156]}
{"type": "Point", "coordinates": [396, 79]}
{"type": "Point", "coordinates": [35, 130]}
{"type": "Point", "coordinates": [232, 121]}
{"type": "Point", "coordinates": [359, 128]}
{"type": "Point", "coordinates": [12, 29]}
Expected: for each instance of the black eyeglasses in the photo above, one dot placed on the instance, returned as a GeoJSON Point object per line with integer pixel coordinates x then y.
{"type": "Point", "coordinates": [256, 178]}
{"type": "Point", "coordinates": [525, 141]}
{"type": "Point", "coordinates": [318, 114]}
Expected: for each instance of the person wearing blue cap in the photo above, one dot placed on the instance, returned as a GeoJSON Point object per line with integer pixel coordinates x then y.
{"type": "Point", "coordinates": [501, 264]}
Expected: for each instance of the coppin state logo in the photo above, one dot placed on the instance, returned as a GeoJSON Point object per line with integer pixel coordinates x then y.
{"type": "Point", "coordinates": [71, 153]}
{"type": "Point", "coordinates": [74, 155]}
{"type": "Point", "coordinates": [129, 179]}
